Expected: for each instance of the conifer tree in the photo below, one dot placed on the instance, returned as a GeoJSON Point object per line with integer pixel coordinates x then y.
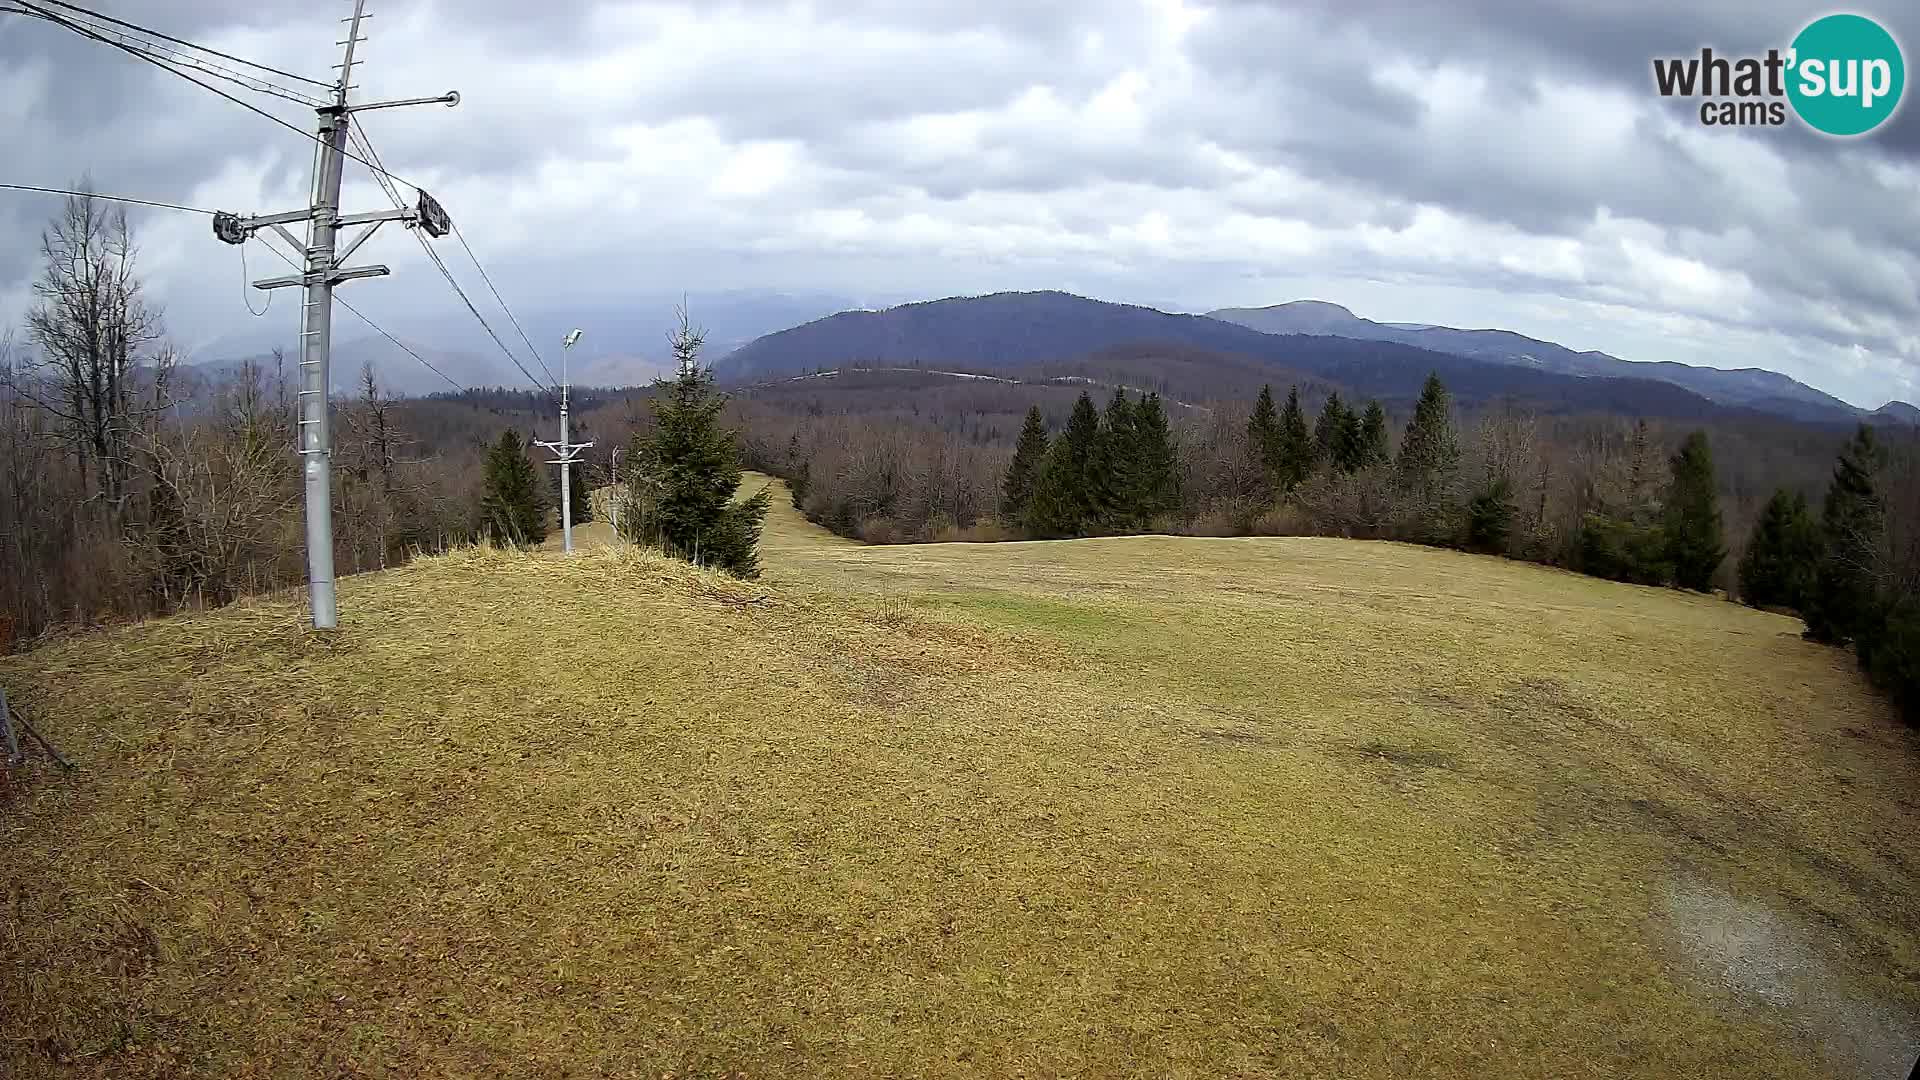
{"type": "Point", "coordinates": [1430, 449]}
{"type": "Point", "coordinates": [689, 468]}
{"type": "Point", "coordinates": [1490, 517]}
{"type": "Point", "coordinates": [1694, 547]}
{"type": "Point", "coordinates": [1373, 436]}
{"type": "Point", "coordinates": [1851, 523]}
{"type": "Point", "coordinates": [1296, 443]}
{"type": "Point", "coordinates": [1782, 556]}
{"type": "Point", "coordinates": [1115, 486]}
{"type": "Point", "coordinates": [798, 467]}
{"type": "Point", "coordinates": [1024, 471]}
{"type": "Point", "coordinates": [1061, 505]}
{"type": "Point", "coordinates": [1265, 445]}
{"type": "Point", "coordinates": [1429, 458]}
{"type": "Point", "coordinates": [1348, 449]}
{"type": "Point", "coordinates": [511, 507]}
{"type": "Point", "coordinates": [1158, 465]}
{"type": "Point", "coordinates": [1330, 433]}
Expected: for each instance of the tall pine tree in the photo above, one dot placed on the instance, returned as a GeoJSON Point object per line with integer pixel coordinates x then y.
{"type": "Point", "coordinates": [689, 469]}
{"type": "Point", "coordinates": [1429, 458]}
{"type": "Point", "coordinates": [511, 508]}
{"type": "Point", "coordinates": [1062, 503]}
{"type": "Point", "coordinates": [1694, 547]}
{"type": "Point", "coordinates": [1116, 471]}
{"type": "Point", "coordinates": [1158, 475]}
{"type": "Point", "coordinates": [1296, 443]}
{"type": "Point", "coordinates": [1851, 523]}
{"type": "Point", "coordinates": [1373, 436]}
{"type": "Point", "coordinates": [1430, 450]}
{"type": "Point", "coordinates": [1265, 448]}
{"type": "Point", "coordinates": [1782, 556]}
{"type": "Point", "coordinates": [1024, 471]}
{"type": "Point", "coordinates": [1331, 433]}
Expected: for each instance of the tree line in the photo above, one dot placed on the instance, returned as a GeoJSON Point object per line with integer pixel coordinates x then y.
{"type": "Point", "coordinates": [132, 484]}
{"type": "Point", "coordinates": [1107, 472]}
{"type": "Point", "coordinates": [902, 457]}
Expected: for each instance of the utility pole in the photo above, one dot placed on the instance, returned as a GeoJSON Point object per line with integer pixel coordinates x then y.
{"type": "Point", "coordinates": [566, 453]}
{"type": "Point", "coordinates": [324, 269]}
{"type": "Point", "coordinates": [613, 492]}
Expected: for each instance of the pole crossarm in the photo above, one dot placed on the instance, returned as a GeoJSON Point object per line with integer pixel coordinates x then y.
{"type": "Point", "coordinates": [329, 277]}
{"type": "Point", "coordinates": [377, 216]}
{"type": "Point", "coordinates": [567, 452]}
{"type": "Point", "coordinates": [449, 99]}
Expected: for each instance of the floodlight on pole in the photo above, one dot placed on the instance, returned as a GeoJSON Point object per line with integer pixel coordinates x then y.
{"type": "Point", "coordinates": [566, 453]}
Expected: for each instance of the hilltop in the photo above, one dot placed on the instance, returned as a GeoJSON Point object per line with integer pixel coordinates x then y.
{"type": "Point", "coordinates": [1152, 805]}
{"type": "Point", "coordinates": [1755, 388]}
{"type": "Point", "coordinates": [1029, 332]}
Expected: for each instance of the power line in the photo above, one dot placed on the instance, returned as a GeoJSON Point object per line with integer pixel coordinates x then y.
{"type": "Point", "coordinates": [462, 294]}
{"type": "Point", "coordinates": [503, 304]}
{"type": "Point", "coordinates": [365, 143]}
{"type": "Point", "coordinates": [363, 140]}
{"type": "Point", "coordinates": [376, 326]}
{"type": "Point", "coordinates": [108, 198]}
{"type": "Point", "coordinates": [171, 55]}
{"type": "Point", "coordinates": [180, 41]}
{"type": "Point", "coordinates": [86, 31]}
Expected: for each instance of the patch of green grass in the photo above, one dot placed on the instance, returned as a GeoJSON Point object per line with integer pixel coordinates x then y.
{"type": "Point", "coordinates": [1055, 616]}
{"type": "Point", "coordinates": [1150, 806]}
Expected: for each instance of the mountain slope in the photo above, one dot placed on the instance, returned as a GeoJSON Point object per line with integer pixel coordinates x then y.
{"type": "Point", "coordinates": [1137, 806]}
{"type": "Point", "coordinates": [1755, 388]}
{"type": "Point", "coordinates": [1898, 412]}
{"type": "Point", "coordinates": [1021, 331]}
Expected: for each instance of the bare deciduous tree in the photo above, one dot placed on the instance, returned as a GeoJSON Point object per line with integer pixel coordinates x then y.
{"type": "Point", "coordinates": [100, 365]}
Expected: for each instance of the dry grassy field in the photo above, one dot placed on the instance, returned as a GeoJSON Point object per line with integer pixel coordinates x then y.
{"type": "Point", "coordinates": [1148, 806]}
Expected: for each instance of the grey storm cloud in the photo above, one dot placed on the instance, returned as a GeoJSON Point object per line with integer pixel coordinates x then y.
{"type": "Point", "coordinates": [1484, 162]}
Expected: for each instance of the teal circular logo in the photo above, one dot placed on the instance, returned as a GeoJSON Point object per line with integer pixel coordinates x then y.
{"type": "Point", "coordinates": [1847, 74]}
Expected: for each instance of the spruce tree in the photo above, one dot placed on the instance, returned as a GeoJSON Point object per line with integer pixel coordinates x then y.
{"type": "Point", "coordinates": [1116, 473]}
{"type": "Point", "coordinates": [1851, 522]}
{"type": "Point", "coordinates": [1625, 539]}
{"type": "Point", "coordinates": [1331, 432]}
{"type": "Point", "coordinates": [1430, 450]}
{"type": "Point", "coordinates": [1490, 517]}
{"type": "Point", "coordinates": [1296, 443]}
{"type": "Point", "coordinates": [511, 508]}
{"type": "Point", "coordinates": [1349, 449]}
{"type": "Point", "coordinates": [797, 472]}
{"type": "Point", "coordinates": [1373, 436]}
{"type": "Point", "coordinates": [1265, 446]}
{"type": "Point", "coordinates": [1782, 556]}
{"type": "Point", "coordinates": [1061, 504]}
{"type": "Point", "coordinates": [1024, 471]}
{"type": "Point", "coordinates": [1694, 547]}
{"type": "Point", "coordinates": [1159, 467]}
{"type": "Point", "coordinates": [690, 467]}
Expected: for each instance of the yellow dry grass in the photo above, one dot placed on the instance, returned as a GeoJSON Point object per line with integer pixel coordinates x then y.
{"type": "Point", "coordinates": [1150, 806]}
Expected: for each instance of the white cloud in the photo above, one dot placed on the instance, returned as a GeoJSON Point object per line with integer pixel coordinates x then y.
{"type": "Point", "coordinates": [1210, 153]}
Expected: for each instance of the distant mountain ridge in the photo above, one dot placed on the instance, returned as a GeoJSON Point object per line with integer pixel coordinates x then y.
{"type": "Point", "coordinates": [1755, 388]}
{"type": "Point", "coordinates": [1004, 332]}
{"type": "Point", "coordinates": [1008, 331]}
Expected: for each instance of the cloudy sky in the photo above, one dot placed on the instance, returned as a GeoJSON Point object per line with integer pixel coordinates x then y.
{"type": "Point", "coordinates": [1484, 163]}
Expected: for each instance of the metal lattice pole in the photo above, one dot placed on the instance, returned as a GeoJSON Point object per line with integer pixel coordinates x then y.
{"type": "Point", "coordinates": [322, 259]}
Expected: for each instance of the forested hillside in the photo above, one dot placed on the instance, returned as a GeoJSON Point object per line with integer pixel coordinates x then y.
{"type": "Point", "coordinates": [1019, 333]}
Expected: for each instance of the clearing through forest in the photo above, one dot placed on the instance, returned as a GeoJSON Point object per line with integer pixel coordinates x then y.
{"type": "Point", "coordinates": [1153, 805]}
